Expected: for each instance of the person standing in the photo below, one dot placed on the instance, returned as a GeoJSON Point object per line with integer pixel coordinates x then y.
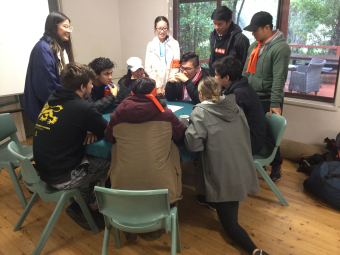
{"type": "Point", "coordinates": [162, 55]}
{"type": "Point", "coordinates": [48, 57]}
{"type": "Point", "coordinates": [266, 69]}
{"type": "Point", "coordinates": [227, 38]}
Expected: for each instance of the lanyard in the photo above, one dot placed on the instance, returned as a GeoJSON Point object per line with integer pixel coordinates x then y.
{"type": "Point", "coordinates": [160, 51]}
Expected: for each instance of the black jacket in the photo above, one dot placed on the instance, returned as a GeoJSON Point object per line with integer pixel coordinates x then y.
{"type": "Point", "coordinates": [174, 91]}
{"type": "Point", "coordinates": [60, 131]}
{"type": "Point", "coordinates": [101, 103]}
{"type": "Point", "coordinates": [249, 101]}
{"type": "Point", "coordinates": [233, 42]}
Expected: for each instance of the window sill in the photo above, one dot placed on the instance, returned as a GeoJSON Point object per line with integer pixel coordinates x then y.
{"type": "Point", "coordinates": [311, 104]}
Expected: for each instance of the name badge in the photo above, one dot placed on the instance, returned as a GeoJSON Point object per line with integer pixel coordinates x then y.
{"type": "Point", "coordinates": [221, 51]}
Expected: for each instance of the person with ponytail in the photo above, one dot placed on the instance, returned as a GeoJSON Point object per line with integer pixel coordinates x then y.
{"type": "Point", "coordinates": [143, 156]}
{"type": "Point", "coordinates": [48, 57]}
{"type": "Point", "coordinates": [225, 170]}
{"type": "Point", "coordinates": [162, 55]}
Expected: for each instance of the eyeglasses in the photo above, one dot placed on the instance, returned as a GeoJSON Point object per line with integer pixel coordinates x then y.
{"type": "Point", "coordinates": [187, 69]}
{"type": "Point", "coordinates": [160, 29]}
{"type": "Point", "coordinates": [66, 27]}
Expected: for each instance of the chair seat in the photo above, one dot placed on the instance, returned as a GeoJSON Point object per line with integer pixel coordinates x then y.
{"type": "Point", "coordinates": [265, 153]}
{"type": "Point", "coordinates": [6, 156]}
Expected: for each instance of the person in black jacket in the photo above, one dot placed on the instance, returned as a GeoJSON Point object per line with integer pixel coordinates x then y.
{"type": "Point", "coordinates": [184, 85]}
{"type": "Point", "coordinates": [103, 69]}
{"type": "Point", "coordinates": [228, 71]}
{"type": "Point", "coordinates": [61, 132]}
{"type": "Point", "coordinates": [227, 38]}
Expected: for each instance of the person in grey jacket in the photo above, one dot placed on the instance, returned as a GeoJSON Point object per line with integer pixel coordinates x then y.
{"type": "Point", "coordinates": [225, 173]}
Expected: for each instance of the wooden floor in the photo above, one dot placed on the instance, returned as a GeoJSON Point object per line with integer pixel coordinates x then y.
{"type": "Point", "coordinates": [306, 226]}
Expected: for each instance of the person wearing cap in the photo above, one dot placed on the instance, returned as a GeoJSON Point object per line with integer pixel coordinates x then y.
{"type": "Point", "coordinates": [135, 71]}
{"type": "Point", "coordinates": [103, 69]}
{"type": "Point", "coordinates": [143, 156]}
{"type": "Point", "coordinates": [183, 86]}
{"type": "Point", "coordinates": [227, 38]}
{"type": "Point", "coordinates": [266, 69]}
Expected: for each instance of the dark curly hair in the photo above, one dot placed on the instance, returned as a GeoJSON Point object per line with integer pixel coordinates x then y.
{"type": "Point", "coordinates": [230, 66]}
{"type": "Point", "coordinates": [100, 64]}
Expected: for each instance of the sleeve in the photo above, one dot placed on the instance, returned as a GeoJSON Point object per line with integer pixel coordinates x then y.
{"type": "Point", "coordinates": [243, 47]}
{"type": "Point", "coordinates": [192, 91]}
{"type": "Point", "coordinates": [211, 58]}
{"type": "Point", "coordinates": [95, 123]}
{"type": "Point", "coordinates": [103, 104]}
{"type": "Point", "coordinates": [196, 133]}
{"type": "Point", "coordinates": [172, 91]}
{"type": "Point", "coordinates": [243, 100]}
{"type": "Point", "coordinates": [46, 78]}
{"type": "Point", "coordinates": [122, 94]}
{"type": "Point", "coordinates": [178, 128]}
{"type": "Point", "coordinates": [148, 62]}
{"type": "Point", "coordinates": [108, 131]}
{"type": "Point", "coordinates": [281, 59]}
{"type": "Point", "coordinates": [176, 58]}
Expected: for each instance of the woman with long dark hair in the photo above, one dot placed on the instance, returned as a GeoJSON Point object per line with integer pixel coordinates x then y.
{"type": "Point", "coordinates": [48, 57]}
{"type": "Point", "coordinates": [162, 55]}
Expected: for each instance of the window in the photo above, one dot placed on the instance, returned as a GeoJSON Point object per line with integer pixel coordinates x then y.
{"type": "Point", "coordinates": [312, 29]}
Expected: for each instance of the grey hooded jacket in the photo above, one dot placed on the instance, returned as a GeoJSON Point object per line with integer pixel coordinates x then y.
{"type": "Point", "coordinates": [226, 170]}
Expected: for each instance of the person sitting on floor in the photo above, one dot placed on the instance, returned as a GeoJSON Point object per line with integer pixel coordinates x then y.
{"type": "Point", "coordinates": [228, 71]}
{"type": "Point", "coordinates": [58, 143]}
{"type": "Point", "coordinates": [183, 85]}
{"type": "Point", "coordinates": [103, 69]}
{"type": "Point", "coordinates": [135, 71]}
{"type": "Point", "coordinates": [226, 171]}
{"type": "Point", "coordinates": [143, 157]}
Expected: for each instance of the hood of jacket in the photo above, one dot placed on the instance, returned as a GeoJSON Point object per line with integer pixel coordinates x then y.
{"type": "Point", "coordinates": [232, 31]}
{"type": "Point", "coordinates": [137, 109]}
{"type": "Point", "coordinates": [226, 109]}
{"type": "Point", "coordinates": [61, 95]}
{"type": "Point", "coordinates": [238, 83]}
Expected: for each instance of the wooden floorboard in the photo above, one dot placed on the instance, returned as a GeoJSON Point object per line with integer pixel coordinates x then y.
{"type": "Point", "coordinates": [306, 226]}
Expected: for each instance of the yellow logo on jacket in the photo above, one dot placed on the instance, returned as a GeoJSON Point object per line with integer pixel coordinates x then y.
{"type": "Point", "coordinates": [47, 113]}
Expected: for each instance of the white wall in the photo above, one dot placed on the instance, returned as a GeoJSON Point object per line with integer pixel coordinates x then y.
{"type": "Point", "coordinates": [96, 30]}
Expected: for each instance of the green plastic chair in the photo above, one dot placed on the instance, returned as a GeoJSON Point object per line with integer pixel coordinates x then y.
{"type": "Point", "coordinates": [137, 212]}
{"type": "Point", "coordinates": [8, 130]}
{"type": "Point", "coordinates": [276, 126]}
{"type": "Point", "coordinates": [48, 194]}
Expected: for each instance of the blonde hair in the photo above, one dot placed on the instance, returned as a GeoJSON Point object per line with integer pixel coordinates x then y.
{"type": "Point", "coordinates": [210, 88]}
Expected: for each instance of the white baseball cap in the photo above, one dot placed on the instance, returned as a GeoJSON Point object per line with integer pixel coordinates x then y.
{"type": "Point", "coordinates": [134, 64]}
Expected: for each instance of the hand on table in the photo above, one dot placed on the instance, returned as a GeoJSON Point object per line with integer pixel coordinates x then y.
{"type": "Point", "coordinates": [275, 110]}
{"type": "Point", "coordinates": [90, 138]}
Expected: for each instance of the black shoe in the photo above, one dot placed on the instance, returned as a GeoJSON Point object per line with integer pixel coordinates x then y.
{"type": "Point", "coordinates": [130, 237]}
{"type": "Point", "coordinates": [201, 200]}
{"type": "Point", "coordinates": [75, 213]}
{"type": "Point", "coordinates": [98, 218]}
{"type": "Point", "coordinates": [275, 175]}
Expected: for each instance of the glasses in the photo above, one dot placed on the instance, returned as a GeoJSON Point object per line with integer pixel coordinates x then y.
{"type": "Point", "coordinates": [160, 29]}
{"type": "Point", "coordinates": [187, 69]}
{"type": "Point", "coordinates": [70, 28]}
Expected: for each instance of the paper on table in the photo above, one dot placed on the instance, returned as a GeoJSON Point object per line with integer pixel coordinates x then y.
{"type": "Point", "coordinates": [174, 108]}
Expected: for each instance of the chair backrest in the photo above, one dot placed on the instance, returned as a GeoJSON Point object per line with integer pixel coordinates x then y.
{"type": "Point", "coordinates": [315, 66]}
{"type": "Point", "coordinates": [7, 127]}
{"type": "Point", "coordinates": [276, 126]}
{"type": "Point", "coordinates": [27, 170]}
{"type": "Point", "coordinates": [133, 207]}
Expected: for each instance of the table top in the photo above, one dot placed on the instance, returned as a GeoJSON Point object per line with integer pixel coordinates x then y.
{"type": "Point", "coordinates": [309, 57]}
{"type": "Point", "coordinates": [102, 148]}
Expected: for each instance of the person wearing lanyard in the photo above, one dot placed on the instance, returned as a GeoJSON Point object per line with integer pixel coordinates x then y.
{"type": "Point", "coordinates": [46, 61]}
{"type": "Point", "coordinates": [183, 86]}
{"type": "Point", "coordinates": [162, 55]}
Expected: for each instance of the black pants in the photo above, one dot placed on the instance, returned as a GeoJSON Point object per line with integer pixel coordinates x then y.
{"type": "Point", "coordinates": [228, 214]}
{"type": "Point", "coordinates": [277, 161]}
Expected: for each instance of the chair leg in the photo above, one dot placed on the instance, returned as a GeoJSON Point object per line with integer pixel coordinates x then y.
{"type": "Point", "coordinates": [117, 237]}
{"type": "Point", "coordinates": [50, 225]}
{"type": "Point", "coordinates": [17, 186]}
{"type": "Point", "coordinates": [178, 248]}
{"type": "Point", "coordinates": [106, 240]}
{"type": "Point", "coordinates": [26, 211]}
{"type": "Point", "coordinates": [271, 184]}
{"type": "Point", "coordinates": [87, 213]}
{"type": "Point", "coordinates": [19, 175]}
{"type": "Point", "coordinates": [173, 234]}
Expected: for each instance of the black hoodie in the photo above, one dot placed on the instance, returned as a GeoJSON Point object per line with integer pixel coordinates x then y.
{"type": "Point", "coordinates": [234, 43]}
{"type": "Point", "coordinates": [249, 101]}
{"type": "Point", "coordinates": [60, 132]}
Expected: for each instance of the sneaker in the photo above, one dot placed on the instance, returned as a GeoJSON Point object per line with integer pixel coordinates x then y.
{"type": "Point", "coordinates": [260, 252]}
{"type": "Point", "coordinates": [275, 175]}
{"type": "Point", "coordinates": [201, 200]}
